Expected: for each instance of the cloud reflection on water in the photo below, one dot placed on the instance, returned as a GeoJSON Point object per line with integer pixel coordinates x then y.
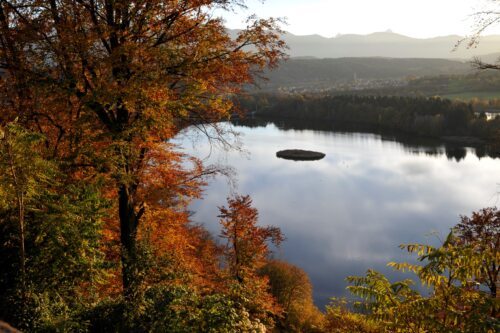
{"type": "Point", "coordinates": [350, 211]}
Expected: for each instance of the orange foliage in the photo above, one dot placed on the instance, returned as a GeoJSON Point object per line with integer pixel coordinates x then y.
{"type": "Point", "coordinates": [246, 251]}
{"type": "Point", "coordinates": [109, 82]}
{"type": "Point", "coordinates": [293, 291]}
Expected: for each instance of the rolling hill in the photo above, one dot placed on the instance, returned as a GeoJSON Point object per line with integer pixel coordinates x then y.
{"type": "Point", "coordinates": [325, 73]}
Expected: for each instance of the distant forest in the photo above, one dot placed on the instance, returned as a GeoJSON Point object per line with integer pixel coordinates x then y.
{"type": "Point", "coordinates": [433, 117]}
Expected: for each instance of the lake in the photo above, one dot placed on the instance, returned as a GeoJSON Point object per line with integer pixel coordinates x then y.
{"type": "Point", "coordinates": [348, 212]}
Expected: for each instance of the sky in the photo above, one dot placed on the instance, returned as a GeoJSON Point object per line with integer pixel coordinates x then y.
{"type": "Point", "coordinates": [328, 18]}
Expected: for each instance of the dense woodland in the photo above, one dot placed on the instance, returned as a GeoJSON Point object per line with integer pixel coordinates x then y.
{"type": "Point", "coordinates": [95, 232]}
{"type": "Point", "coordinates": [433, 117]}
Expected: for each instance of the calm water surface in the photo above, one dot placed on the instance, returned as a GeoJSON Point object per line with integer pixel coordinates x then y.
{"type": "Point", "coordinates": [350, 211]}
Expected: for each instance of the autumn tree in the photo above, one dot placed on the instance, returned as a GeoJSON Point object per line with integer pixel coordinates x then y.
{"type": "Point", "coordinates": [246, 251]}
{"type": "Point", "coordinates": [481, 232]}
{"type": "Point", "coordinates": [247, 247]}
{"type": "Point", "coordinates": [340, 318]}
{"type": "Point", "coordinates": [292, 288]}
{"type": "Point", "coordinates": [483, 19]}
{"type": "Point", "coordinates": [108, 82]}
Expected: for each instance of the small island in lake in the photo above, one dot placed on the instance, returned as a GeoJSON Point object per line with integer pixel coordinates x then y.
{"type": "Point", "coordinates": [300, 155]}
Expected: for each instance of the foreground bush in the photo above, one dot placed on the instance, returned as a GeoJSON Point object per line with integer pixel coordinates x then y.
{"type": "Point", "coordinates": [461, 275]}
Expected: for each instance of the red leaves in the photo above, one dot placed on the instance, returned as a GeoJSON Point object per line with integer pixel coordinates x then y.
{"type": "Point", "coordinates": [247, 246]}
{"type": "Point", "coordinates": [246, 251]}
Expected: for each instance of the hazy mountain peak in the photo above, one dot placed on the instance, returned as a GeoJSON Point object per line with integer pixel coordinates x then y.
{"type": "Point", "coordinates": [386, 44]}
{"type": "Point", "coordinates": [388, 36]}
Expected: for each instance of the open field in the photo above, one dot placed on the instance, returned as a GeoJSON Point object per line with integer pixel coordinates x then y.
{"type": "Point", "coordinates": [467, 96]}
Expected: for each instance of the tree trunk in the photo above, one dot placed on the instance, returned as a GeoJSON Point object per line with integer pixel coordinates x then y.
{"type": "Point", "coordinates": [22, 249]}
{"type": "Point", "coordinates": [20, 211]}
{"type": "Point", "coordinates": [128, 233]}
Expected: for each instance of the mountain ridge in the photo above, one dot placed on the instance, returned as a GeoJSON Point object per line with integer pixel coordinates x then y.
{"type": "Point", "coordinates": [386, 44]}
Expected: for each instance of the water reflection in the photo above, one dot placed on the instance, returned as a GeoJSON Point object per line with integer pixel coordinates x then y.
{"type": "Point", "coordinates": [414, 144]}
{"type": "Point", "coordinates": [351, 210]}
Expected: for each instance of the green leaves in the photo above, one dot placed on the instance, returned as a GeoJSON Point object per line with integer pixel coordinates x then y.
{"type": "Point", "coordinates": [51, 250]}
{"type": "Point", "coordinates": [456, 274]}
{"type": "Point", "coordinates": [23, 171]}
